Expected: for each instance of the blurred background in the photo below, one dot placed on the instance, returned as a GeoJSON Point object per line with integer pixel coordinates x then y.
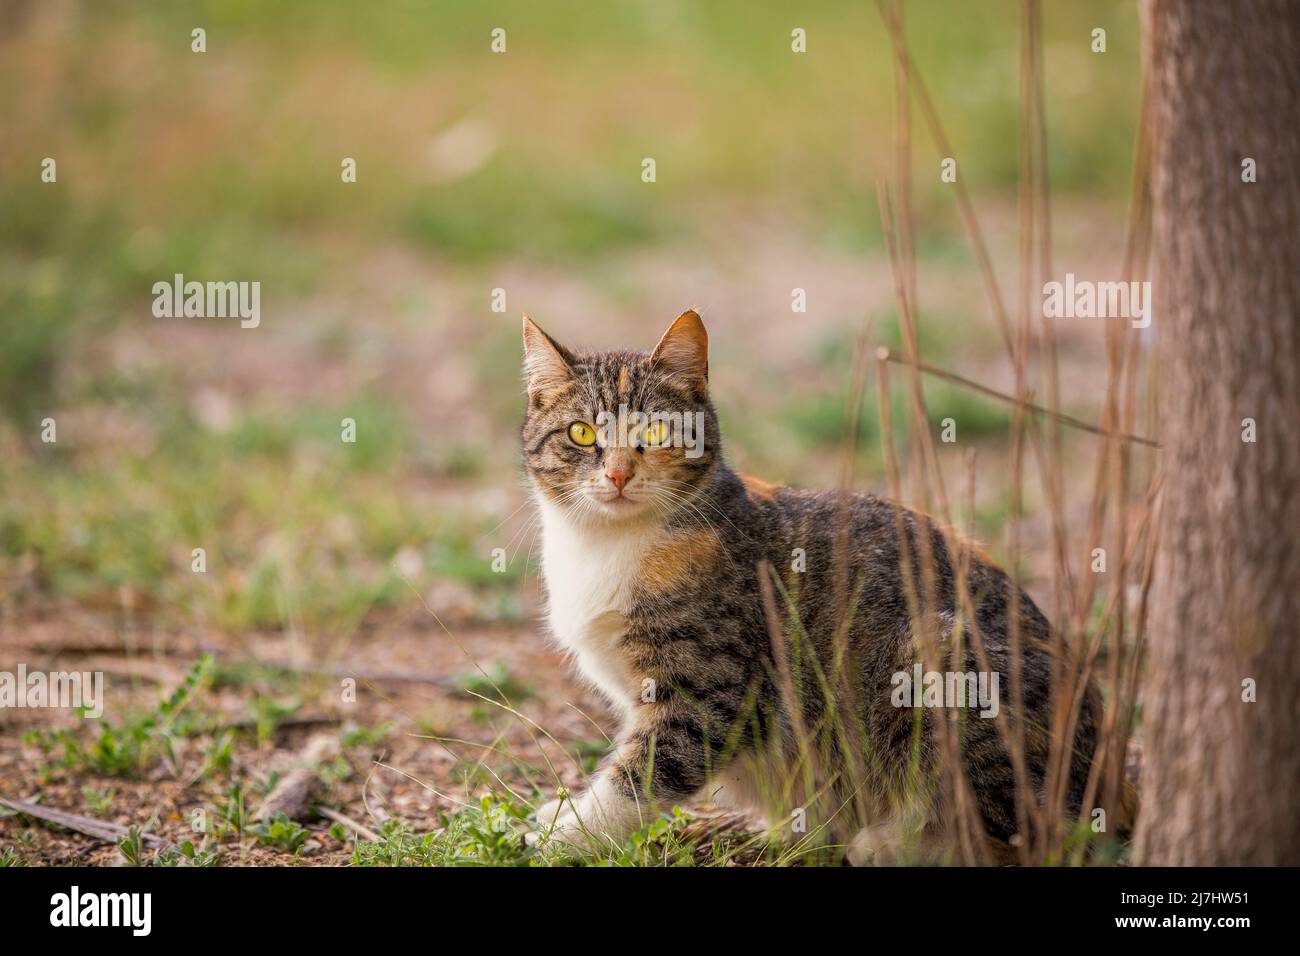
{"type": "Point", "coordinates": [476, 171]}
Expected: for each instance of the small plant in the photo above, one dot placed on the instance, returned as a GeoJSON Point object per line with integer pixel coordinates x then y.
{"type": "Point", "coordinates": [9, 857]}
{"type": "Point", "coordinates": [660, 843]}
{"type": "Point", "coordinates": [280, 832]}
{"type": "Point", "coordinates": [188, 855]}
{"type": "Point", "coordinates": [489, 834]}
{"type": "Point", "coordinates": [336, 771]}
{"type": "Point", "coordinates": [99, 801]}
{"type": "Point", "coordinates": [131, 847]}
{"type": "Point", "coordinates": [133, 853]}
{"type": "Point", "coordinates": [219, 756]}
{"type": "Point", "coordinates": [233, 813]}
{"type": "Point", "coordinates": [397, 846]}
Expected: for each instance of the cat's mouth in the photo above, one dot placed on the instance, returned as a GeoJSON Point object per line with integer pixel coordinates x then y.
{"type": "Point", "coordinates": [618, 503]}
{"type": "Point", "coordinates": [619, 500]}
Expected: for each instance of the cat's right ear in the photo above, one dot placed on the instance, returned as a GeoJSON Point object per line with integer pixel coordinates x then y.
{"type": "Point", "coordinates": [684, 349]}
{"type": "Point", "coordinates": [546, 363]}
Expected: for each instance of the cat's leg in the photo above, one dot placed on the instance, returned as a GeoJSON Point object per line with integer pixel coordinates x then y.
{"type": "Point", "coordinates": [662, 759]}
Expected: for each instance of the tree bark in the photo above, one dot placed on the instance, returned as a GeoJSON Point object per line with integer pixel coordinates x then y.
{"type": "Point", "coordinates": [1222, 776]}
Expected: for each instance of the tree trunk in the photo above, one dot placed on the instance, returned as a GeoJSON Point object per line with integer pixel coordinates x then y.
{"type": "Point", "coordinates": [1222, 776]}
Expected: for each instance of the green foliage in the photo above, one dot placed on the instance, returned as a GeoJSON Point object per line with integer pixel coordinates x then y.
{"type": "Point", "coordinates": [975, 416]}
{"type": "Point", "coordinates": [495, 683]}
{"type": "Point", "coordinates": [660, 843]}
{"type": "Point", "coordinates": [218, 756]}
{"type": "Point", "coordinates": [281, 832]}
{"type": "Point", "coordinates": [192, 856]}
{"type": "Point", "coordinates": [353, 735]}
{"type": "Point", "coordinates": [99, 802]}
{"type": "Point", "coordinates": [131, 847]}
{"type": "Point", "coordinates": [489, 834]}
{"type": "Point", "coordinates": [233, 814]}
{"type": "Point", "coordinates": [529, 192]}
{"type": "Point", "coordinates": [134, 853]}
{"type": "Point", "coordinates": [820, 420]}
{"type": "Point", "coordinates": [9, 857]}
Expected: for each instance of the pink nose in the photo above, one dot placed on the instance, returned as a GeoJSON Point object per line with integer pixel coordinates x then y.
{"type": "Point", "coordinates": [619, 476]}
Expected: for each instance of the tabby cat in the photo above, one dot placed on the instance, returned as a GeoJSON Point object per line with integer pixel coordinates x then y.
{"type": "Point", "coordinates": [653, 550]}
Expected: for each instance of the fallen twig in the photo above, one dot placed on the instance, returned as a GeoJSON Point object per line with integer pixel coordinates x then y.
{"type": "Point", "coordinates": [99, 829]}
{"type": "Point", "coordinates": [295, 790]}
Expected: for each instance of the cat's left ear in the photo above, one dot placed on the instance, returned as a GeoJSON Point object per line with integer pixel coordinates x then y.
{"type": "Point", "coordinates": [684, 349]}
{"type": "Point", "coordinates": [546, 362]}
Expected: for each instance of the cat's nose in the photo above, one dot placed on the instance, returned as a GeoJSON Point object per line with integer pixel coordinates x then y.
{"type": "Point", "coordinates": [620, 474]}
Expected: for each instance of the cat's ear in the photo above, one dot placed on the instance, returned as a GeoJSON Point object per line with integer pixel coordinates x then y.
{"type": "Point", "coordinates": [546, 362]}
{"type": "Point", "coordinates": [684, 349]}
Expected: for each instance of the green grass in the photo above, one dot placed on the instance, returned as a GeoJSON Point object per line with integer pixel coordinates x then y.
{"type": "Point", "coordinates": [297, 525]}
{"type": "Point", "coordinates": [491, 833]}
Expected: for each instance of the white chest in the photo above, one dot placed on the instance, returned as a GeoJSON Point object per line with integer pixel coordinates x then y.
{"type": "Point", "coordinates": [589, 577]}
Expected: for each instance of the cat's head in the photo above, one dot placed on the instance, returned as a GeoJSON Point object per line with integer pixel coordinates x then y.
{"type": "Point", "coordinates": [620, 436]}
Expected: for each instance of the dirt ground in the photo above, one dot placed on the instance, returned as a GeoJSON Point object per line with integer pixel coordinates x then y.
{"type": "Point", "coordinates": [405, 682]}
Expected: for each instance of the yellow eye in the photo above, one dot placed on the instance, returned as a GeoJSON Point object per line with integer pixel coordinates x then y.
{"type": "Point", "coordinates": [656, 433]}
{"type": "Point", "coordinates": [580, 433]}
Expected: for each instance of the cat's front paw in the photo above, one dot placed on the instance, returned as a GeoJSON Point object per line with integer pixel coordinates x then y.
{"type": "Point", "coordinates": [562, 827]}
{"type": "Point", "coordinates": [549, 812]}
{"type": "Point", "coordinates": [555, 820]}
{"type": "Point", "coordinates": [594, 821]}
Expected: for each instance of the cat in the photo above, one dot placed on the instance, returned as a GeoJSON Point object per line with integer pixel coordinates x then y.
{"type": "Point", "coordinates": [652, 555]}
